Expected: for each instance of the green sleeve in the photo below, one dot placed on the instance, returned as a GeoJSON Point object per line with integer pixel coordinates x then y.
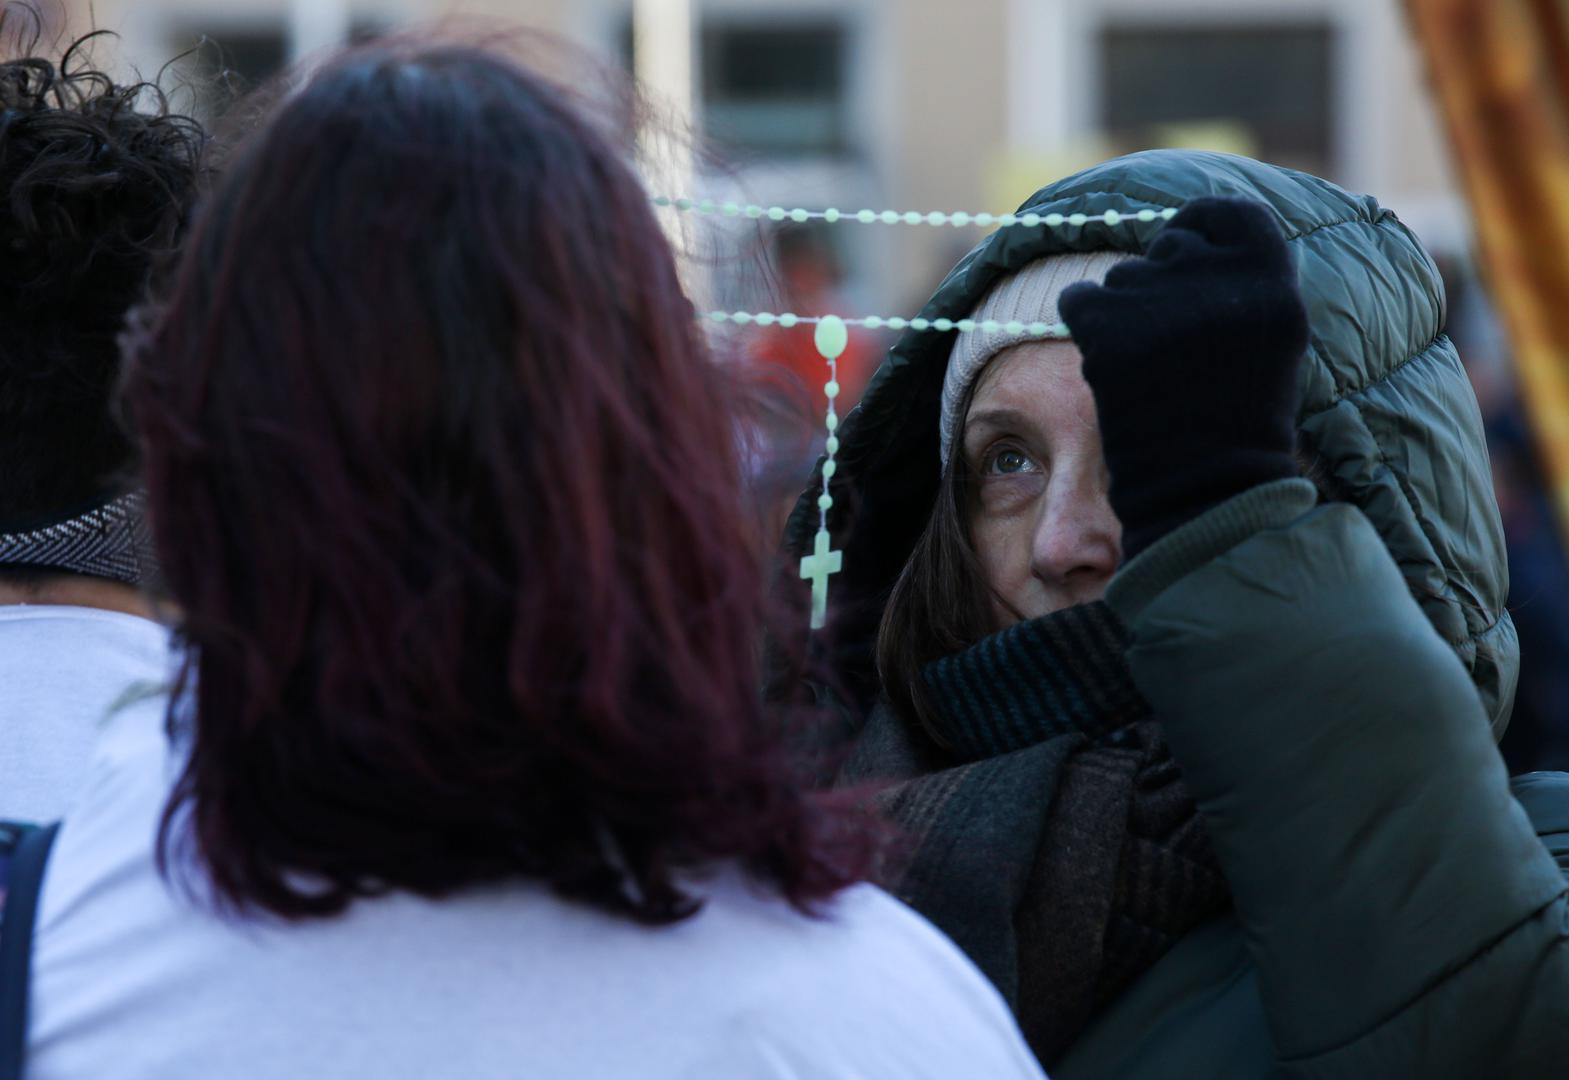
{"type": "Point", "coordinates": [1404, 917]}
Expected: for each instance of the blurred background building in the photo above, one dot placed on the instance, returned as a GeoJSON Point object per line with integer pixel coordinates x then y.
{"type": "Point", "coordinates": [933, 104]}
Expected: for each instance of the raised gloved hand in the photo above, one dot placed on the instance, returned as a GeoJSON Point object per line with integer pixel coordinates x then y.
{"type": "Point", "coordinates": [1192, 353]}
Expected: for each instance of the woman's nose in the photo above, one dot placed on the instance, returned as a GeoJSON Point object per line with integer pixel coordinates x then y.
{"type": "Point", "coordinates": [1077, 537]}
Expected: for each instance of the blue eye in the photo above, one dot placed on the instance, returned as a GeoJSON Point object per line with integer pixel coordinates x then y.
{"type": "Point", "coordinates": [1008, 462]}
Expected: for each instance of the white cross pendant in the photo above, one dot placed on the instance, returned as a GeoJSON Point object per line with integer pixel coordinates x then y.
{"type": "Point", "coordinates": [815, 568]}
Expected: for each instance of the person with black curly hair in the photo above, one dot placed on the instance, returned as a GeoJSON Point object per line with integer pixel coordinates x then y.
{"type": "Point", "coordinates": [96, 179]}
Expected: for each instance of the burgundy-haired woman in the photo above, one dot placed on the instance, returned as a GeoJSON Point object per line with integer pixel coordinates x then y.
{"type": "Point", "coordinates": [464, 772]}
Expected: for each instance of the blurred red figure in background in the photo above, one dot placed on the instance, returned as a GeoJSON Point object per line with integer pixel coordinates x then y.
{"type": "Point", "coordinates": [810, 277]}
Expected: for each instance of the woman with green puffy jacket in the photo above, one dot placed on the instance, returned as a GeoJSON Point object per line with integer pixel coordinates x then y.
{"type": "Point", "coordinates": [1195, 757]}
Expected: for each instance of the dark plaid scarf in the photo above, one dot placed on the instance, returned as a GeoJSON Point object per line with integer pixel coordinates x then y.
{"type": "Point", "coordinates": [1047, 828]}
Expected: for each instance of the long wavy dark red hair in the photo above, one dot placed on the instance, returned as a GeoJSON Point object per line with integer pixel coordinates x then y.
{"type": "Point", "coordinates": [444, 482]}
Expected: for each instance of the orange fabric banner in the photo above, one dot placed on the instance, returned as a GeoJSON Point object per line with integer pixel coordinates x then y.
{"type": "Point", "coordinates": [1500, 70]}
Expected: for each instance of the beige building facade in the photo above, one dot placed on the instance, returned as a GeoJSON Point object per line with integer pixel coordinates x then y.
{"type": "Point", "coordinates": [935, 104]}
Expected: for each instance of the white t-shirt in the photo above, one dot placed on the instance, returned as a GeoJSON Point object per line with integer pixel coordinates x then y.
{"type": "Point", "coordinates": [502, 982]}
{"type": "Point", "coordinates": [61, 668]}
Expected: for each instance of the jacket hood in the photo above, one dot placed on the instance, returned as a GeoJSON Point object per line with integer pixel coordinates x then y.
{"type": "Point", "coordinates": [1386, 406]}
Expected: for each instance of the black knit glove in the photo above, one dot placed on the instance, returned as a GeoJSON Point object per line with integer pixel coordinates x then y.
{"type": "Point", "coordinates": [1192, 353]}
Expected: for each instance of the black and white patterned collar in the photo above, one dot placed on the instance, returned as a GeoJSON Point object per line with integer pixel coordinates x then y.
{"type": "Point", "coordinates": [108, 541]}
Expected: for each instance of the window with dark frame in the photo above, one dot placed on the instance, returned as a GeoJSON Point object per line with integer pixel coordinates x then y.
{"type": "Point", "coordinates": [772, 89]}
{"type": "Point", "coordinates": [776, 90]}
{"type": "Point", "coordinates": [1272, 81]}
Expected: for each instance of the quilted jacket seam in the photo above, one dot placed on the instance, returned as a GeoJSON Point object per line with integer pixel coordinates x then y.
{"type": "Point", "coordinates": [1376, 223]}
{"type": "Point", "coordinates": [1486, 630]}
{"type": "Point", "coordinates": [1348, 392]}
{"type": "Point", "coordinates": [1426, 528]}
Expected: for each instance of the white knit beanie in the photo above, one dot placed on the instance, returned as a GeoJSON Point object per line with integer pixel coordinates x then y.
{"type": "Point", "coordinates": [1026, 296]}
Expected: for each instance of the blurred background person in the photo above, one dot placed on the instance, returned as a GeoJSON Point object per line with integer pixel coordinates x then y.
{"type": "Point", "coordinates": [787, 372]}
{"type": "Point", "coordinates": [1538, 736]}
{"type": "Point", "coordinates": [810, 282]}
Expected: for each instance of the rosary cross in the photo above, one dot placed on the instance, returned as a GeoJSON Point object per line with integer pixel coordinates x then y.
{"type": "Point", "coordinates": [815, 568]}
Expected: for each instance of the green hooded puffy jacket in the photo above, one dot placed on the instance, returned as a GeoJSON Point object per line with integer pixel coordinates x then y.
{"type": "Point", "coordinates": [1330, 677]}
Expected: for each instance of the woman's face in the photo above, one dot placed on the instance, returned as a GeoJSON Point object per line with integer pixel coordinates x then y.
{"type": "Point", "coordinates": [1040, 520]}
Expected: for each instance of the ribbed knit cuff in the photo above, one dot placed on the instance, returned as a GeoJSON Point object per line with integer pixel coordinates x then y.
{"type": "Point", "coordinates": [1211, 534]}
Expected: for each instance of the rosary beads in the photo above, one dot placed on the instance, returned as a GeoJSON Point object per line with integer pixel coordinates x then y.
{"type": "Point", "coordinates": [831, 334]}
